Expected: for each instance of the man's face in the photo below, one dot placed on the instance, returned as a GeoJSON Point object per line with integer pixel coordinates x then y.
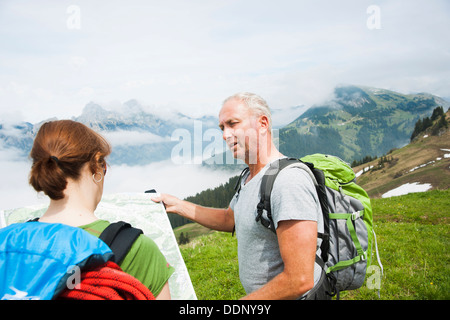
{"type": "Point", "coordinates": [240, 130]}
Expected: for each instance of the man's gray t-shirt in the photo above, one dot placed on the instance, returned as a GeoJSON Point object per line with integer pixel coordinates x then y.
{"type": "Point", "coordinates": [293, 198]}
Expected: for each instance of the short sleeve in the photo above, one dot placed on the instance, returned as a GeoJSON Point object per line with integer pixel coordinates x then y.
{"type": "Point", "coordinates": [294, 197]}
{"type": "Point", "coordinates": [144, 261]}
{"type": "Point", "coordinates": [147, 263]}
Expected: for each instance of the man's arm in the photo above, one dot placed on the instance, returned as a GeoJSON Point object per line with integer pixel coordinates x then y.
{"type": "Point", "coordinates": [297, 241]}
{"type": "Point", "coordinates": [212, 218]}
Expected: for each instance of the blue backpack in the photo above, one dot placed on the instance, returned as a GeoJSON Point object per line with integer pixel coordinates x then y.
{"type": "Point", "coordinates": [38, 260]}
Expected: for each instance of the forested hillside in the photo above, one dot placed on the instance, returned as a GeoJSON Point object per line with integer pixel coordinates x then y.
{"type": "Point", "coordinates": [219, 197]}
{"type": "Point", "coordinates": [358, 122]}
{"type": "Point", "coordinates": [424, 160]}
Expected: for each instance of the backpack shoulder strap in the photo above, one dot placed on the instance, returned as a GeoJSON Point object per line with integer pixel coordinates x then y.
{"type": "Point", "coordinates": [120, 236]}
{"type": "Point", "coordinates": [268, 181]}
{"type": "Point", "coordinates": [266, 189]}
{"type": "Point", "coordinates": [318, 178]}
{"type": "Point", "coordinates": [237, 187]}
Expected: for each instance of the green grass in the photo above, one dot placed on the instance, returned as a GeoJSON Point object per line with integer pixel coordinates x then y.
{"type": "Point", "coordinates": [193, 230]}
{"type": "Point", "coordinates": [431, 207]}
{"type": "Point", "coordinates": [413, 236]}
{"type": "Point", "coordinates": [213, 266]}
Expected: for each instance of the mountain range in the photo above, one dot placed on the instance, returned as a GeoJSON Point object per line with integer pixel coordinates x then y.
{"type": "Point", "coordinates": [421, 165]}
{"type": "Point", "coordinates": [356, 122]}
{"type": "Point", "coordinates": [137, 135]}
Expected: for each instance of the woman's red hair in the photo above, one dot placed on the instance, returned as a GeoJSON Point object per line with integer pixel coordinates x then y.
{"type": "Point", "coordinates": [60, 150]}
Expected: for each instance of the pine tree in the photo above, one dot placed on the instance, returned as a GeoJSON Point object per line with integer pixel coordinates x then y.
{"type": "Point", "coordinates": [437, 112]}
{"type": "Point", "coordinates": [417, 129]}
{"type": "Point", "coordinates": [181, 240]}
{"type": "Point", "coordinates": [442, 123]}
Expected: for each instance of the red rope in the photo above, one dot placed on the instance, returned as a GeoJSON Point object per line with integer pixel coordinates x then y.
{"type": "Point", "coordinates": [108, 282]}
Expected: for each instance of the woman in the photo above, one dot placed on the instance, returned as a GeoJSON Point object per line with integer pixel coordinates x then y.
{"type": "Point", "coordinates": [69, 166]}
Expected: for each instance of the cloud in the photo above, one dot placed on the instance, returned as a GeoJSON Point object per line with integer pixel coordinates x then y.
{"type": "Point", "coordinates": [15, 192]}
{"type": "Point", "coordinates": [190, 55]}
{"type": "Point", "coordinates": [132, 138]}
{"type": "Point", "coordinates": [10, 130]}
{"type": "Point", "coordinates": [165, 177]}
{"type": "Point", "coordinates": [194, 54]}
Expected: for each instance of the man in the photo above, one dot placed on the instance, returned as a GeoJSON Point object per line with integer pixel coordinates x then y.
{"type": "Point", "coordinates": [271, 266]}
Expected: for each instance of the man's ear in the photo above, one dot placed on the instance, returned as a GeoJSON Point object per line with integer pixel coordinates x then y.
{"type": "Point", "coordinates": [264, 122]}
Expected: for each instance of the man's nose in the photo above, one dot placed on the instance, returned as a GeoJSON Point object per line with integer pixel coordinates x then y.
{"type": "Point", "coordinates": [227, 133]}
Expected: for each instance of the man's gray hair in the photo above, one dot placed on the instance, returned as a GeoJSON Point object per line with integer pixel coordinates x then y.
{"type": "Point", "coordinates": [255, 103]}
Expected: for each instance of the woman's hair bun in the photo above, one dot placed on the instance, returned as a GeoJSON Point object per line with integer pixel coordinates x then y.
{"type": "Point", "coordinates": [60, 150]}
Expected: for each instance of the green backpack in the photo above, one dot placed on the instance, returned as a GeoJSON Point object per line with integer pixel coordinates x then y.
{"type": "Point", "coordinates": [348, 224]}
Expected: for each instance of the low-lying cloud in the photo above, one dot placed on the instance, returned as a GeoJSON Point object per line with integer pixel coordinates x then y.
{"type": "Point", "coordinates": [181, 180]}
{"type": "Point", "coordinates": [15, 191]}
{"type": "Point", "coordinates": [132, 138]}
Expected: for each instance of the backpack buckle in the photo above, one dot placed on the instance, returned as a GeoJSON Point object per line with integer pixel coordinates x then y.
{"type": "Point", "coordinates": [364, 256]}
{"type": "Point", "coordinates": [356, 215]}
{"type": "Point", "coordinates": [260, 208]}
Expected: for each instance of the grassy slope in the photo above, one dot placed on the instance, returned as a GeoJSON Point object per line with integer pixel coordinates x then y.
{"type": "Point", "coordinates": [396, 173]}
{"type": "Point", "coordinates": [213, 266]}
{"type": "Point", "coordinates": [192, 229]}
{"type": "Point", "coordinates": [413, 234]}
{"type": "Point", "coordinates": [412, 231]}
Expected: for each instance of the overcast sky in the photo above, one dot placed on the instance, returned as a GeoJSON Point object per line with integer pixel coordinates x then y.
{"type": "Point", "coordinates": [56, 56]}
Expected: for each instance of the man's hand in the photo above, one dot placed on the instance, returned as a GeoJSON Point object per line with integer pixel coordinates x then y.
{"type": "Point", "coordinates": [216, 219]}
{"type": "Point", "coordinates": [170, 202]}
